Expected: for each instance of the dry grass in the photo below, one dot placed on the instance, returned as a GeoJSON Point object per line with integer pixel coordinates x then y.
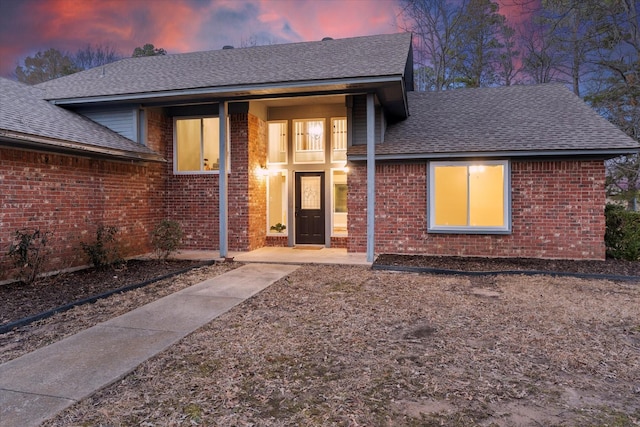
{"type": "Point", "coordinates": [44, 332]}
{"type": "Point", "coordinates": [348, 346]}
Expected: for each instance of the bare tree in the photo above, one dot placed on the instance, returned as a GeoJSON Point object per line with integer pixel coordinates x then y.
{"type": "Point", "coordinates": [436, 25]}
{"type": "Point", "coordinates": [615, 91]}
{"type": "Point", "coordinates": [540, 59]}
{"type": "Point", "coordinates": [95, 56]}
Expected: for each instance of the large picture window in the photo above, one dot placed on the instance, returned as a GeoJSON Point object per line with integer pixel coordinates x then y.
{"type": "Point", "coordinates": [197, 146]}
{"type": "Point", "coordinates": [469, 197]}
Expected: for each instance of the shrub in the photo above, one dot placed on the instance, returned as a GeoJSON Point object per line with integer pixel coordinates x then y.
{"type": "Point", "coordinates": [622, 236]}
{"type": "Point", "coordinates": [103, 251]}
{"type": "Point", "coordinates": [166, 238]}
{"type": "Point", "coordinates": [29, 251]}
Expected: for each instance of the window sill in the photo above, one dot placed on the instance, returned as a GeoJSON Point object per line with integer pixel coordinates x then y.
{"type": "Point", "coordinates": [477, 230]}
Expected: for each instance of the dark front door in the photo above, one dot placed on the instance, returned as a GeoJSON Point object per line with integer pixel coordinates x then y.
{"type": "Point", "coordinates": [309, 207]}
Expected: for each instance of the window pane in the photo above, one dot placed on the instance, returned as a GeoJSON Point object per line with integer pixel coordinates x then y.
{"type": "Point", "coordinates": [339, 202]}
{"type": "Point", "coordinates": [309, 141]}
{"type": "Point", "coordinates": [277, 188]}
{"type": "Point", "coordinates": [450, 198]}
{"type": "Point", "coordinates": [211, 143]}
{"type": "Point", "coordinates": [339, 139]}
{"type": "Point", "coordinates": [277, 142]}
{"type": "Point", "coordinates": [310, 190]}
{"type": "Point", "coordinates": [486, 196]}
{"type": "Point", "coordinates": [188, 144]}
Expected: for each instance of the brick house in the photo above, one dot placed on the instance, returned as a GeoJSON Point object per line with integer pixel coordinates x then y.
{"type": "Point", "coordinates": [326, 138]}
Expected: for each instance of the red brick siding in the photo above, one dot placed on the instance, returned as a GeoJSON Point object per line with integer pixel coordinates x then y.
{"type": "Point", "coordinates": [339, 242]}
{"type": "Point", "coordinates": [557, 212]}
{"type": "Point", "coordinates": [257, 182]}
{"type": "Point", "coordinates": [193, 200]}
{"type": "Point", "coordinates": [277, 241]}
{"type": "Point", "coordinates": [247, 188]}
{"type": "Point", "coordinates": [71, 196]}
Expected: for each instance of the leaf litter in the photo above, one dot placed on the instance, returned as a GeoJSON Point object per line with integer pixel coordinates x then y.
{"type": "Point", "coordinates": [350, 346]}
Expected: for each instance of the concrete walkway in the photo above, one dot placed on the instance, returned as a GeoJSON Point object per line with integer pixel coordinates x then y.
{"type": "Point", "coordinates": [309, 254]}
{"type": "Point", "coordinates": [40, 384]}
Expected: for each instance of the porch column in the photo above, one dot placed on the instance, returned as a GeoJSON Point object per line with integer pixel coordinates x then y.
{"type": "Point", "coordinates": [223, 185]}
{"type": "Point", "coordinates": [371, 178]}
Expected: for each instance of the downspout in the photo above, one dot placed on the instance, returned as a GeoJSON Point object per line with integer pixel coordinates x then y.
{"type": "Point", "coordinates": [223, 185]}
{"type": "Point", "coordinates": [371, 177]}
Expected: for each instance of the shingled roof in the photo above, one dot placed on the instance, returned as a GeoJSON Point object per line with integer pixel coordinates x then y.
{"type": "Point", "coordinates": [507, 121]}
{"type": "Point", "coordinates": [26, 119]}
{"type": "Point", "coordinates": [327, 60]}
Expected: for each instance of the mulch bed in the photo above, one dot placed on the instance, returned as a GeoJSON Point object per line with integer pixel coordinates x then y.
{"type": "Point", "coordinates": [610, 267]}
{"type": "Point", "coordinates": [20, 300]}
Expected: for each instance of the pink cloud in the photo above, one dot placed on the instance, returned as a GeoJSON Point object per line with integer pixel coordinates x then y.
{"type": "Point", "coordinates": [182, 26]}
{"type": "Point", "coordinates": [313, 20]}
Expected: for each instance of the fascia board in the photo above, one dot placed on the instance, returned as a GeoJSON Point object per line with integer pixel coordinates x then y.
{"type": "Point", "coordinates": [501, 154]}
{"type": "Point", "coordinates": [17, 140]}
{"type": "Point", "coordinates": [233, 91]}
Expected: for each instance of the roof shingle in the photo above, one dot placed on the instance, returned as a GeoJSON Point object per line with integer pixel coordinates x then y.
{"type": "Point", "coordinates": [537, 118]}
{"type": "Point", "coordinates": [24, 114]}
{"type": "Point", "coordinates": [380, 55]}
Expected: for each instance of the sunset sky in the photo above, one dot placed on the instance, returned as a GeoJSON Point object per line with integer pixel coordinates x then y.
{"type": "Point", "coordinates": [29, 26]}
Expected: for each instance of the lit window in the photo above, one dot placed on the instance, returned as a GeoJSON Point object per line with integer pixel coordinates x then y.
{"type": "Point", "coordinates": [277, 142]}
{"type": "Point", "coordinates": [197, 145]}
{"type": "Point", "coordinates": [308, 141]}
{"type": "Point", "coordinates": [338, 139]}
{"type": "Point", "coordinates": [469, 197]}
{"type": "Point", "coordinates": [339, 208]}
{"type": "Point", "coordinates": [277, 202]}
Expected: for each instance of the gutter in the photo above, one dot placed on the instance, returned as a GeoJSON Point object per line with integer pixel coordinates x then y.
{"type": "Point", "coordinates": [231, 91]}
{"type": "Point", "coordinates": [19, 140]}
{"type": "Point", "coordinates": [492, 154]}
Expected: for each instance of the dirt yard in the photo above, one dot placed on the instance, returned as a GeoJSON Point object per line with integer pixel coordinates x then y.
{"type": "Point", "coordinates": [351, 346]}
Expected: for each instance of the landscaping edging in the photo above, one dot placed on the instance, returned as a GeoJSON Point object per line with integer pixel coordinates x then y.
{"type": "Point", "coordinates": [7, 327]}
{"type": "Point", "coordinates": [411, 269]}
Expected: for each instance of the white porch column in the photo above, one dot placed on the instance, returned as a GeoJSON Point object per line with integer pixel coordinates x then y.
{"type": "Point", "coordinates": [223, 185]}
{"type": "Point", "coordinates": [371, 178]}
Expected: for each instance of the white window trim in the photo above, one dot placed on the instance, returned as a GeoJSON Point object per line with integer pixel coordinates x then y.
{"type": "Point", "coordinates": [332, 195]}
{"type": "Point", "coordinates": [175, 148]}
{"type": "Point", "coordinates": [506, 229]}
{"type": "Point", "coordinates": [285, 172]}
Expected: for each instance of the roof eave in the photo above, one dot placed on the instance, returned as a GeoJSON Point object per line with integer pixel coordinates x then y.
{"type": "Point", "coordinates": [33, 142]}
{"type": "Point", "coordinates": [598, 153]}
{"type": "Point", "coordinates": [237, 91]}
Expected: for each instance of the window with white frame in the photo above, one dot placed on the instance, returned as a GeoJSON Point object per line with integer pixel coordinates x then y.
{"type": "Point", "coordinates": [277, 142]}
{"type": "Point", "coordinates": [277, 202]}
{"type": "Point", "coordinates": [338, 139]}
{"type": "Point", "coordinates": [197, 145]}
{"type": "Point", "coordinates": [339, 205]}
{"type": "Point", "coordinates": [469, 197]}
{"type": "Point", "coordinates": [308, 141]}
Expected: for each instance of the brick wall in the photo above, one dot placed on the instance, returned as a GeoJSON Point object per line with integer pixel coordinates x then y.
{"type": "Point", "coordinates": [557, 212]}
{"type": "Point", "coordinates": [193, 200]}
{"type": "Point", "coordinates": [257, 183]}
{"type": "Point", "coordinates": [71, 196]}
